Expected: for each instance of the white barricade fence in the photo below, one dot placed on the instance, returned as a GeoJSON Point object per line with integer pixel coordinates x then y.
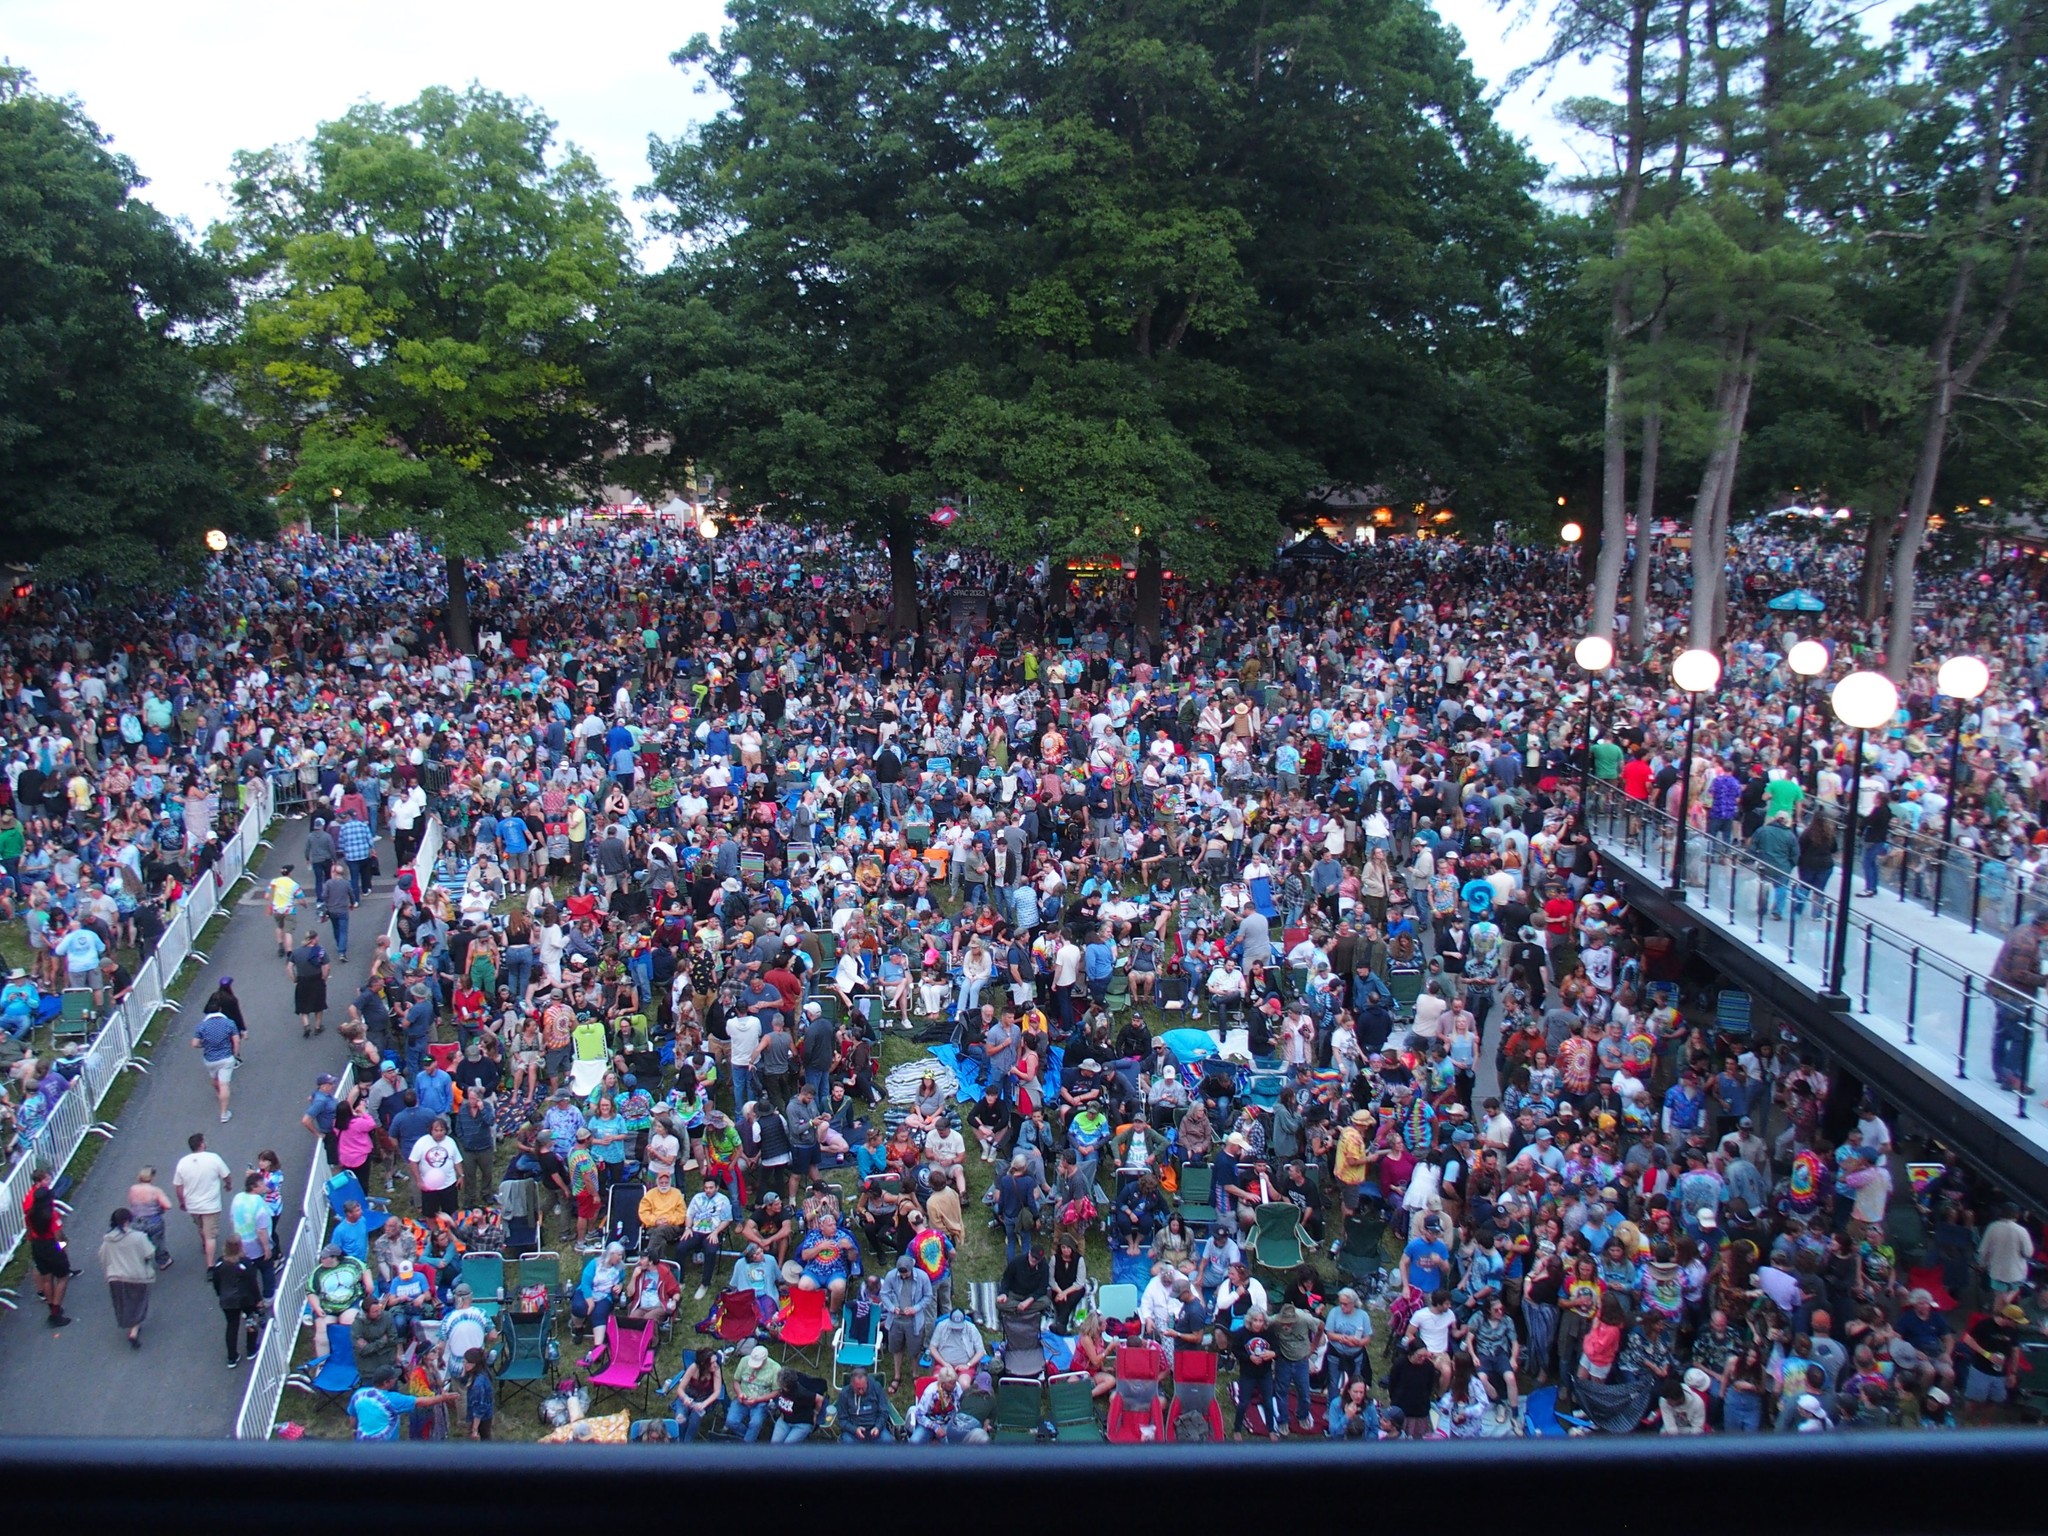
{"type": "Point", "coordinates": [272, 1362]}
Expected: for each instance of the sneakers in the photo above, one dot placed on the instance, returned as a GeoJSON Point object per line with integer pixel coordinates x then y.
{"type": "Point", "coordinates": [58, 1319]}
{"type": "Point", "coordinates": [233, 1362]}
{"type": "Point", "coordinates": [700, 1294]}
{"type": "Point", "coordinates": [226, 1115]}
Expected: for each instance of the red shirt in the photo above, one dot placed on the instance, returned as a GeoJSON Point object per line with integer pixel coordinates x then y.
{"type": "Point", "coordinates": [1635, 778]}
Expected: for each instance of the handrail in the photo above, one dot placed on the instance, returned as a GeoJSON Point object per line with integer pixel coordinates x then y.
{"type": "Point", "coordinates": [1943, 1003]}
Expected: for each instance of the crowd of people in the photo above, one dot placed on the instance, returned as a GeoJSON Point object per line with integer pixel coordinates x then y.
{"type": "Point", "coordinates": [710, 824]}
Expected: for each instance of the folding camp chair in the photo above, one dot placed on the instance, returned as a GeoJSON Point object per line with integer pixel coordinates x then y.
{"type": "Point", "coordinates": [526, 1363]}
{"type": "Point", "coordinates": [540, 1271]}
{"type": "Point", "coordinates": [74, 1021]}
{"type": "Point", "coordinates": [660, 1431]}
{"type": "Point", "coordinates": [1023, 1346]}
{"type": "Point", "coordinates": [1362, 1257]}
{"type": "Point", "coordinates": [853, 1344]}
{"type": "Point", "coordinates": [1116, 1303]}
{"type": "Point", "coordinates": [1197, 1191]}
{"type": "Point", "coordinates": [331, 1376]}
{"type": "Point", "coordinates": [1406, 986]}
{"type": "Point", "coordinates": [1117, 1000]}
{"type": "Point", "coordinates": [622, 1216]}
{"type": "Point", "coordinates": [628, 1356]}
{"type": "Point", "coordinates": [2032, 1396]}
{"type": "Point", "coordinates": [1731, 1016]}
{"type": "Point", "coordinates": [343, 1187]}
{"type": "Point", "coordinates": [1194, 1391]}
{"type": "Point", "coordinates": [484, 1274]}
{"type": "Point", "coordinates": [736, 1315]}
{"type": "Point", "coordinates": [1019, 1408]}
{"type": "Point", "coordinates": [1072, 1400]}
{"type": "Point", "coordinates": [1136, 1415]}
{"type": "Point", "coordinates": [803, 1324]}
{"type": "Point", "coordinates": [1278, 1241]}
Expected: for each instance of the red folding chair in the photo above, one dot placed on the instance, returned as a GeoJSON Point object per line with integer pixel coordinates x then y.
{"type": "Point", "coordinates": [1136, 1414]}
{"type": "Point", "coordinates": [738, 1314]}
{"type": "Point", "coordinates": [1194, 1390]}
{"type": "Point", "coordinates": [803, 1325]}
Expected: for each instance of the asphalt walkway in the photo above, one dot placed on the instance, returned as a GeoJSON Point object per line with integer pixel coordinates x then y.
{"type": "Point", "coordinates": [85, 1380]}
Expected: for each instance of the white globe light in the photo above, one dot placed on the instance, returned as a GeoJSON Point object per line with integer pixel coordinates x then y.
{"type": "Point", "coordinates": [1963, 677]}
{"type": "Point", "coordinates": [216, 540]}
{"type": "Point", "coordinates": [1595, 653]}
{"type": "Point", "coordinates": [1696, 671]}
{"type": "Point", "coordinates": [1865, 700]}
{"type": "Point", "coordinates": [1571, 533]}
{"type": "Point", "coordinates": [1809, 658]}
{"type": "Point", "coordinates": [708, 528]}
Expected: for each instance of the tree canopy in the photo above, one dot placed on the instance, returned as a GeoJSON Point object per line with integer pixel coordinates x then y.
{"type": "Point", "coordinates": [113, 460]}
{"type": "Point", "coordinates": [427, 290]}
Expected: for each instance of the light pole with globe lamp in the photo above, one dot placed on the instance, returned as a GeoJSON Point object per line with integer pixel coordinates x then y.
{"type": "Point", "coordinates": [1696, 672]}
{"type": "Point", "coordinates": [1594, 654]}
{"type": "Point", "coordinates": [1807, 659]}
{"type": "Point", "coordinates": [1964, 679]}
{"type": "Point", "coordinates": [1863, 701]}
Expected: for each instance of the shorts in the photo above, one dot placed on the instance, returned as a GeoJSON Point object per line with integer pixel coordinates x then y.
{"type": "Point", "coordinates": [224, 1069]}
{"type": "Point", "coordinates": [1984, 1387]}
{"type": "Point", "coordinates": [50, 1258]}
{"type": "Point", "coordinates": [208, 1223]}
{"type": "Point", "coordinates": [530, 1061]}
{"type": "Point", "coordinates": [586, 1204]}
{"type": "Point", "coordinates": [558, 1060]}
{"type": "Point", "coordinates": [802, 1160]}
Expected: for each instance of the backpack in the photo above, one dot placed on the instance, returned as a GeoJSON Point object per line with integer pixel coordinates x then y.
{"type": "Point", "coordinates": [1191, 1427]}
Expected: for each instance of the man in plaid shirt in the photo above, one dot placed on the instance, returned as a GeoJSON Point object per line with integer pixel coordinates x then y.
{"type": "Point", "coordinates": [356, 842]}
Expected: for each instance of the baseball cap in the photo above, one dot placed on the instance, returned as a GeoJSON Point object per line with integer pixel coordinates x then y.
{"type": "Point", "coordinates": [331, 1251]}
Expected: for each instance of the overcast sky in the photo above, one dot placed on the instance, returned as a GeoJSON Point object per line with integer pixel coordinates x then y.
{"type": "Point", "coordinates": [181, 87]}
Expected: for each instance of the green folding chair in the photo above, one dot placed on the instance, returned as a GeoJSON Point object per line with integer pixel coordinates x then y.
{"type": "Point", "coordinates": [1019, 1408]}
{"type": "Point", "coordinates": [1072, 1402]}
{"type": "Point", "coordinates": [1278, 1241]}
{"type": "Point", "coordinates": [525, 1361]}
{"type": "Point", "coordinates": [541, 1269]}
{"type": "Point", "coordinates": [484, 1274]}
{"type": "Point", "coordinates": [1197, 1192]}
{"type": "Point", "coordinates": [1363, 1257]}
{"type": "Point", "coordinates": [1117, 1000]}
{"type": "Point", "coordinates": [75, 1022]}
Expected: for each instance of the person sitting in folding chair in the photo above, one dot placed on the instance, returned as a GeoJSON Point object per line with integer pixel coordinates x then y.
{"type": "Point", "coordinates": [708, 1215]}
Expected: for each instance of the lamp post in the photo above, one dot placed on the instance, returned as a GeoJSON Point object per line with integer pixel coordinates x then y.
{"type": "Point", "coordinates": [1807, 659]}
{"type": "Point", "coordinates": [334, 500]}
{"type": "Point", "coordinates": [1962, 678]}
{"type": "Point", "coordinates": [1594, 654]}
{"type": "Point", "coordinates": [1696, 672]}
{"type": "Point", "coordinates": [1863, 701]}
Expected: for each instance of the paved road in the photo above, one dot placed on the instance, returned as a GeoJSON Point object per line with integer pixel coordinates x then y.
{"type": "Point", "coordinates": [85, 1380]}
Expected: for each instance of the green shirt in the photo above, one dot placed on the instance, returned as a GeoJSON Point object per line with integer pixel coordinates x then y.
{"type": "Point", "coordinates": [1782, 796]}
{"type": "Point", "coordinates": [1606, 760]}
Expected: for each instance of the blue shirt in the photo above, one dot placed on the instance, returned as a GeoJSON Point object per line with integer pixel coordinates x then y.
{"type": "Point", "coordinates": [1099, 960]}
{"type": "Point", "coordinates": [378, 1414]}
{"type": "Point", "coordinates": [216, 1036]}
{"type": "Point", "coordinates": [1429, 1264]}
{"type": "Point", "coordinates": [352, 1238]}
{"type": "Point", "coordinates": [436, 1090]}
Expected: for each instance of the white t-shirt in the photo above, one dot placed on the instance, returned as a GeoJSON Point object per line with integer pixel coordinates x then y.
{"type": "Point", "coordinates": [439, 1162]}
{"type": "Point", "coordinates": [200, 1177]}
{"type": "Point", "coordinates": [1434, 1329]}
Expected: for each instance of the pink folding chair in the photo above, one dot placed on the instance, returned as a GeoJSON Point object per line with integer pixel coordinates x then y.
{"type": "Point", "coordinates": [629, 1356]}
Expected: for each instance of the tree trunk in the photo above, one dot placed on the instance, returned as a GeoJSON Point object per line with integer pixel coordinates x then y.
{"type": "Point", "coordinates": [460, 637]}
{"type": "Point", "coordinates": [1639, 629]}
{"type": "Point", "coordinates": [1877, 546]}
{"type": "Point", "coordinates": [903, 577]}
{"type": "Point", "coordinates": [1620, 324]}
{"type": "Point", "coordinates": [1145, 600]}
{"type": "Point", "coordinates": [1706, 570]}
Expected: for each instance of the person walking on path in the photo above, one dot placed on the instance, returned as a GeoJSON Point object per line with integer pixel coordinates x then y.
{"type": "Point", "coordinates": [308, 970]}
{"type": "Point", "coordinates": [201, 1181]}
{"type": "Point", "coordinates": [284, 896]}
{"type": "Point", "coordinates": [337, 900]}
{"type": "Point", "coordinates": [223, 1000]}
{"type": "Point", "coordinates": [239, 1286]}
{"type": "Point", "coordinates": [219, 1044]}
{"type": "Point", "coordinates": [147, 1204]}
{"type": "Point", "coordinates": [129, 1260]}
{"type": "Point", "coordinates": [46, 1247]}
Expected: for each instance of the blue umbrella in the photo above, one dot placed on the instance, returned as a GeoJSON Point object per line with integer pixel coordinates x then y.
{"type": "Point", "coordinates": [1798, 600]}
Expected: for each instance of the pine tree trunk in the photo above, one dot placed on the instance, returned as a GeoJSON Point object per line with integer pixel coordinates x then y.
{"type": "Point", "coordinates": [1639, 627]}
{"type": "Point", "coordinates": [903, 576]}
{"type": "Point", "coordinates": [460, 637]}
{"type": "Point", "coordinates": [1145, 600]}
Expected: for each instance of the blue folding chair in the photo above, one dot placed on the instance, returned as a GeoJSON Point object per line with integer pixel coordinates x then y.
{"type": "Point", "coordinates": [334, 1374]}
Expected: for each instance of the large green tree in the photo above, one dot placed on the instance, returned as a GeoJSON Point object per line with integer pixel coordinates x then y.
{"type": "Point", "coordinates": [428, 291]}
{"type": "Point", "coordinates": [796, 343]}
{"type": "Point", "coordinates": [112, 462]}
